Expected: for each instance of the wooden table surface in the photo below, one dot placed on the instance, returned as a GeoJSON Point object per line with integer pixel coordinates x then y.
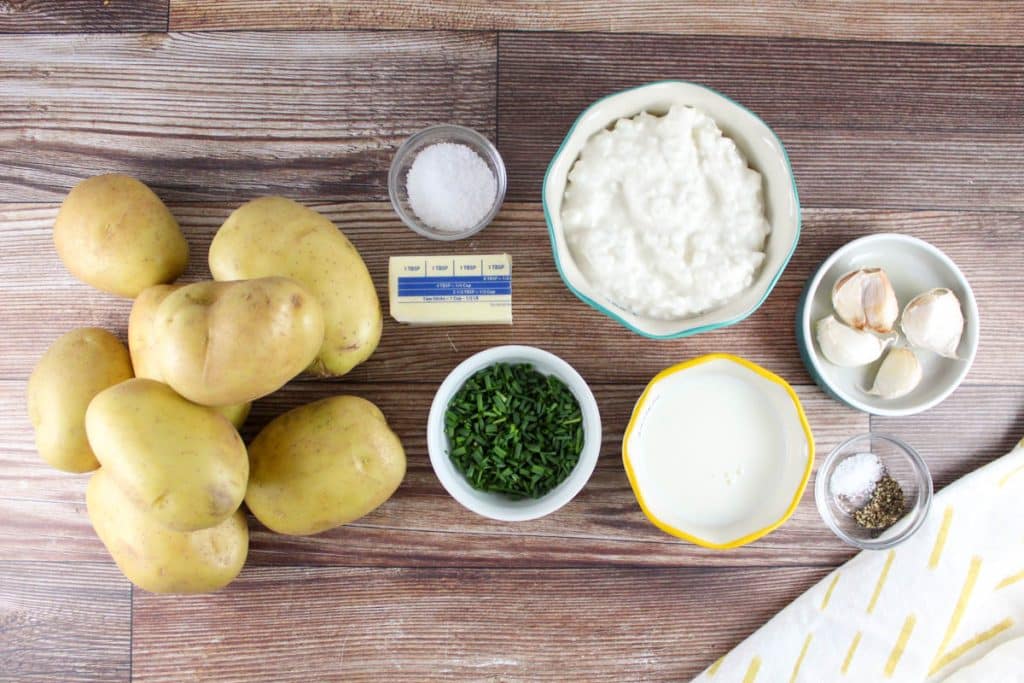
{"type": "Point", "coordinates": [898, 116]}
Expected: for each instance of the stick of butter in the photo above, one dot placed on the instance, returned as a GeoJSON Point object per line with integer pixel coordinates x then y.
{"type": "Point", "coordinates": [451, 290]}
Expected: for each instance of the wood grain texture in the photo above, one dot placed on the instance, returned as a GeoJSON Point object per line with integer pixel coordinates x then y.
{"type": "Point", "coordinates": [990, 420]}
{"type": "Point", "coordinates": [882, 132]}
{"type": "Point", "coordinates": [228, 116]}
{"type": "Point", "coordinates": [943, 22]}
{"type": "Point", "coordinates": [865, 124]}
{"type": "Point", "coordinates": [496, 625]}
{"type": "Point", "coordinates": [82, 16]}
{"type": "Point", "coordinates": [423, 526]}
{"type": "Point", "coordinates": [44, 515]}
{"type": "Point", "coordinates": [38, 293]}
{"type": "Point", "coordinates": [64, 622]}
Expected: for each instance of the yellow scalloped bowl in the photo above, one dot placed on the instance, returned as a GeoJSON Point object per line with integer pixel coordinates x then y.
{"type": "Point", "coordinates": [718, 451]}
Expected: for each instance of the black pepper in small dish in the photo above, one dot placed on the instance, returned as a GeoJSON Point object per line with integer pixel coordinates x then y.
{"type": "Point", "coordinates": [885, 507]}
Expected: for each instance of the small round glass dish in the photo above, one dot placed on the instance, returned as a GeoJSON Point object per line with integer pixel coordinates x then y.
{"type": "Point", "coordinates": [403, 161]}
{"type": "Point", "coordinates": [903, 464]}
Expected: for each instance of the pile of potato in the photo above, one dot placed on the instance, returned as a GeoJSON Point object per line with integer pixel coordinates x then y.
{"type": "Point", "coordinates": [158, 421]}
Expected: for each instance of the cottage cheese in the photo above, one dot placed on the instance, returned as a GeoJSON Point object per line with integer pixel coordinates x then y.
{"type": "Point", "coordinates": [663, 216]}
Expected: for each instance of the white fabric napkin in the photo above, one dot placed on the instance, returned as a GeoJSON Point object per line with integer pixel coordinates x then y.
{"type": "Point", "coordinates": [931, 606]}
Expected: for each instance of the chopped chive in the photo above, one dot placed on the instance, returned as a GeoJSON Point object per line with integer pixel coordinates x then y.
{"type": "Point", "coordinates": [515, 431]}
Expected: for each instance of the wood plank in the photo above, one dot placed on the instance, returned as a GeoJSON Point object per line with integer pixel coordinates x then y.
{"type": "Point", "coordinates": [950, 139]}
{"type": "Point", "coordinates": [82, 16]}
{"type": "Point", "coordinates": [990, 420]}
{"type": "Point", "coordinates": [64, 621]}
{"type": "Point", "coordinates": [42, 298]}
{"type": "Point", "coordinates": [299, 624]}
{"type": "Point", "coordinates": [422, 525]}
{"type": "Point", "coordinates": [985, 22]}
{"type": "Point", "coordinates": [227, 116]}
{"type": "Point", "coordinates": [792, 84]}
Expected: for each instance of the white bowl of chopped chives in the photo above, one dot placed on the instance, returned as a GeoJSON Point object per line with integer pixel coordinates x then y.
{"type": "Point", "coordinates": [513, 433]}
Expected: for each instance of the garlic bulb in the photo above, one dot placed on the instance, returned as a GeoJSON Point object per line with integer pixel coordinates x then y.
{"type": "Point", "coordinates": [864, 299]}
{"type": "Point", "coordinates": [898, 375]}
{"type": "Point", "coordinates": [934, 321]}
{"type": "Point", "coordinates": [846, 347]}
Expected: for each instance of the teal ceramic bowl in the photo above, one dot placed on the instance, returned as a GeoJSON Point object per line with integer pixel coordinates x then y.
{"type": "Point", "coordinates": [764, 153]}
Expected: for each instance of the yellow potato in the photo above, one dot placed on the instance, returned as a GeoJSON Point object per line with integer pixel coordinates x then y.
{"type": "Point", "coordinates": [182, 464]}
{"type": "Point", "coordinates": [276, 236]}
{"type": "Point", "coordinates": [75, 368]}
{"type": "Point", "coordinates": [142, 345]}
{"type": "Point", "coordinates": [158, 559]}
{"type": "Point", "coordinates": [141, 339]}
{"type": "Point", "coordinates": [235, 413]}
{"type": "Point", "coordinates": [230, 342]}
{"type": "Point", "coordinates": [113, 233]}
{"type": "Point", "coordinates": [323, 465]}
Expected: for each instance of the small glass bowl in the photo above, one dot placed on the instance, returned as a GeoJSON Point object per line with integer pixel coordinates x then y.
{"type": "Point", "coordinates": [903, 464]}
{"type": "Point", "coordinates": [406, 154]}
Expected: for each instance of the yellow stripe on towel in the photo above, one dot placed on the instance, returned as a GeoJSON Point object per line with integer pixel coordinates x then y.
{"type": "Point", "coordinates": [755, 666]}
{"type": "Point", "coordinates": [881, 580]}
{"type": "Point", "coordinates": [850, 653]}
{"type": "Point", "coordinates": [1008, 475]}
{"type": "Point", "coordinates": [716, 666]}
{"type": "Point", "coordinates": [958, 611]}
{"type": "Point", "coordinates": [800, 659]}
{"type": "Point", "coordinates": [900, 646]}
{"type": "Point", "coordinates": [1010, 580]}
{"type": "Point", "coordinates": [828, 593]}
{"type": "Point", "coordinates": [940, 538]}
{"type": "Point", "coordinates": [974, 642]}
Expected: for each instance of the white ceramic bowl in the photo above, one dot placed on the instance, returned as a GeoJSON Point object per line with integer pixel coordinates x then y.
{"type": "Point", "coordinates": [764, 153]}
{"type": "Point", "coordinates": [913, 266]}
{"type": "Point", "coordinates": [496, 505]}
{"type": "Point", "coordinates": [749, 489]}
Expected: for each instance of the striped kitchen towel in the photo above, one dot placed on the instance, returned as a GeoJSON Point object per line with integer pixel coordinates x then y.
{"type": "Point", "coordinates": [936, 604]}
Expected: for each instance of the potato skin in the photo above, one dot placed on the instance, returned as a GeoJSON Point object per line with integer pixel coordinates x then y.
{"type": "Point", "coordinates": [277, 236]}
{"type": "Point", "coordinates": [182, 464]}
{"type": "Point", "coordinates": [143, 347]}
{"type": "Point", "coordinates": [231, 342]}
{"type": "Point", "coordinates": [322, 465]}
{"type": "Point", "coordinates": [236, 413]}
{"type": "Point", "coordinates": [141, 336]}
{"type": "Point", "coordinates": [113, 233]}
{"type": "Point", "coordinates": [158, 559]}
{"type": "Point", "coordinates": [76, 367]}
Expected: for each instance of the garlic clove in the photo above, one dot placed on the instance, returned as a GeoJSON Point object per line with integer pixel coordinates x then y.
{"type": "Point", "coordinates": [898, 375]}
{"type": "Point", "coordinates": [846, 347]}
{"type": "Point", "coordinates": [864, 299]}
{"type": "Point", "coordinates": [934, 321]}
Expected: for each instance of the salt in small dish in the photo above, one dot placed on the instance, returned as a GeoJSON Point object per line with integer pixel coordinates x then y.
{"type": "Point", "coordinates": [902, 463]}
{"type": "Point", "coordinates": [406, 156]}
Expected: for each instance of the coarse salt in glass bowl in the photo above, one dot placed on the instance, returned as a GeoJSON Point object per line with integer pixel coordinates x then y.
{"type": "Point", "coordinates": [406, 155]}
{"type": "Point", "coordinates": [903, 464]}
